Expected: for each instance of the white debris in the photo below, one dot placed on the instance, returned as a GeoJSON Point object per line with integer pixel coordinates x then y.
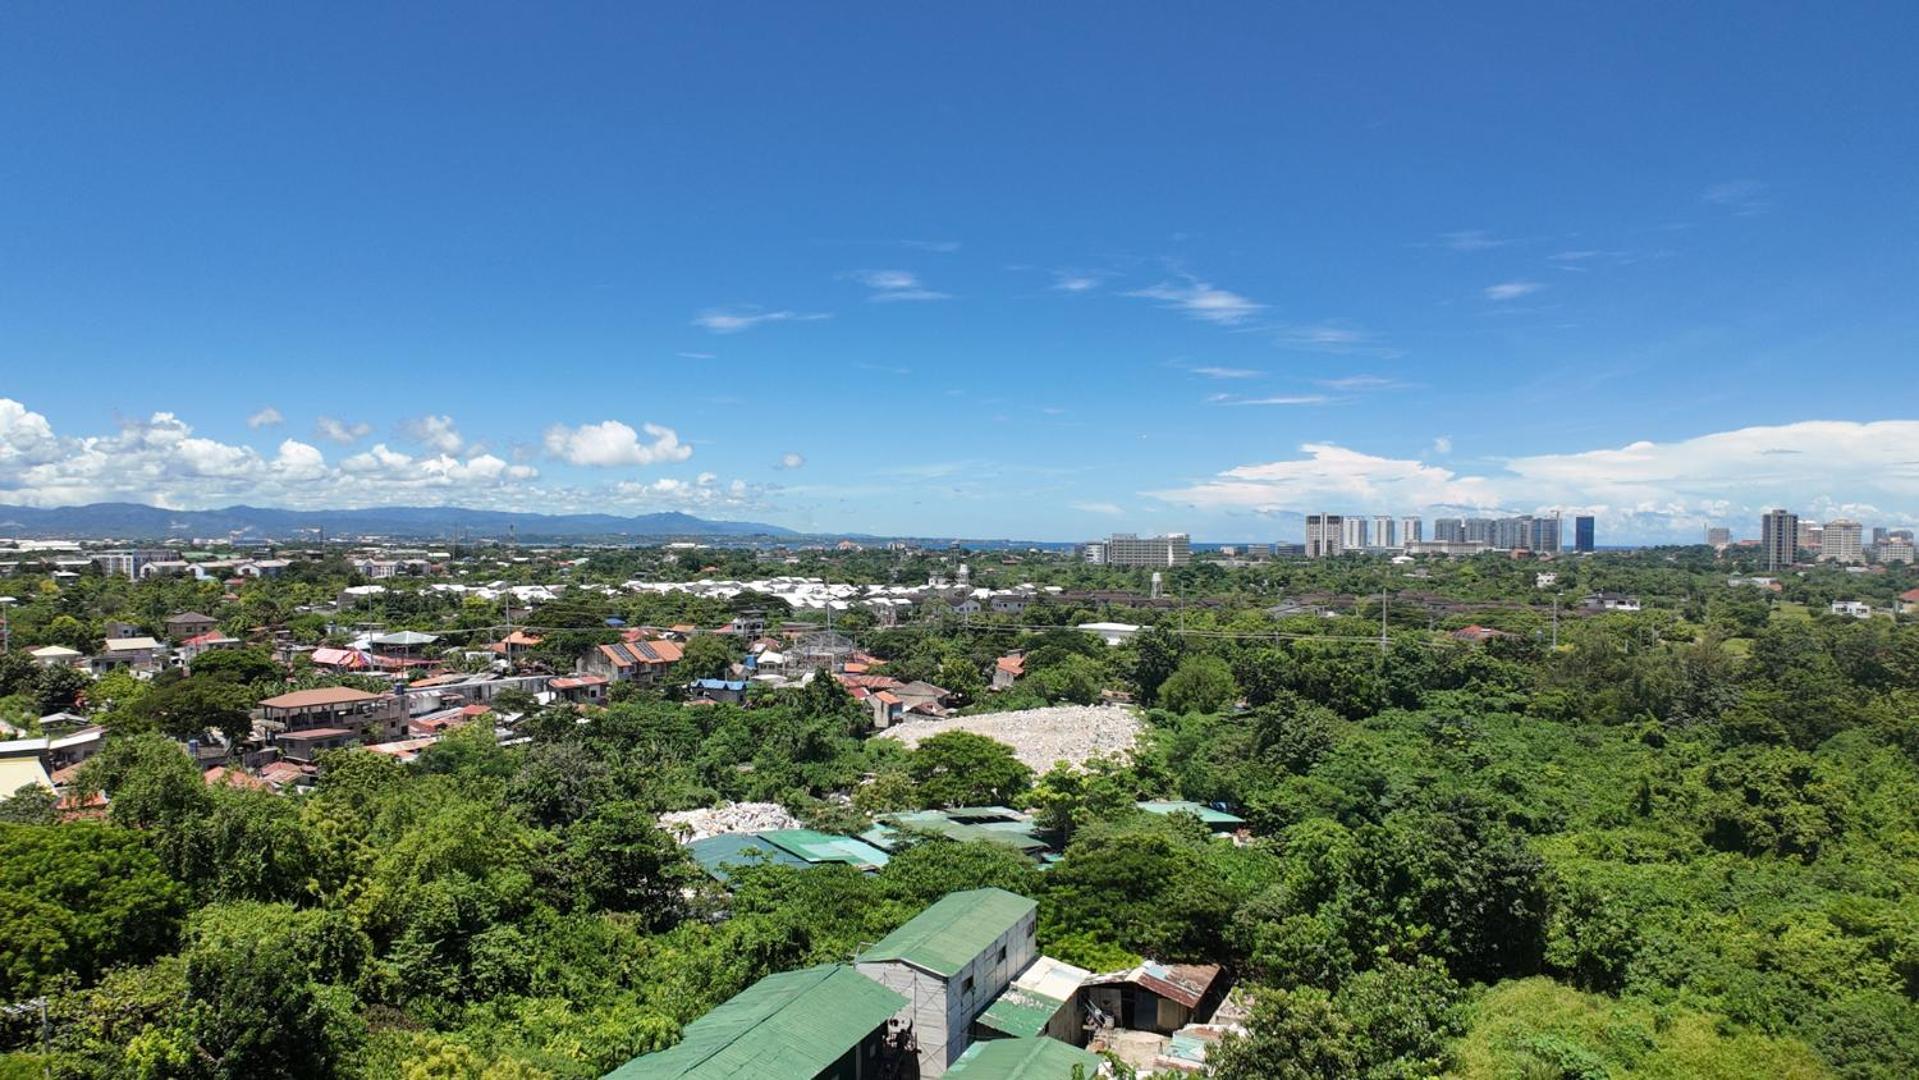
{"type": "Point", "coordinates": [744, 817]}
{"type": "Point", "coordinates": [1041, 738]}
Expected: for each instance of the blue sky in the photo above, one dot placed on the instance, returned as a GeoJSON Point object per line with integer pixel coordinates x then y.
{"type": "Point", "coordinates": [1040, 271]}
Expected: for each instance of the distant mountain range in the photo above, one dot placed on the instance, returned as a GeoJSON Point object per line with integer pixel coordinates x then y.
{"type": "Point", "coordinates": [133, 521]}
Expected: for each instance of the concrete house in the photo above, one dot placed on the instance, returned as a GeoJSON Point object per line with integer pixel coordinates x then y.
{"type": "Point", "coordinates": [818, 1022]}
{"type": "Point", "coordinates": [189, 624]}
{"type": "Point", "coordinates": [374, 717]}
{"type": "Point", "coordinates": [642, 662]}
{"type": "Point", "coordinates": [949, 963]}
{"type": "Point", "coordinates": [137, 653]}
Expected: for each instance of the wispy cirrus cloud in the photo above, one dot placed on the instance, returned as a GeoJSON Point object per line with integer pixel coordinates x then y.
{"type": "Point", "coordinates": [1744, 198]}
{"type": "Point", "coordinates": [1077, 281]}
{"type": "Point", "coordinates": [1362, 383]}
{"type": "Point", "coordinates": [733, 320]}
{"type": "Point", "coordinates": [1199, 300]}
{"type": "Point", "coordinates": [1106, 508]}
{"type": "Point", "coordinates": [895, 285]}
{"type": "Point", "coordinates": [1274, 399]}
{"type": "Point", "coordinates": [1511, 290]}
{"type": "Point", "coordinates": [1215, 372]}
{"type": "Point", "coordinates": [1469, 240]}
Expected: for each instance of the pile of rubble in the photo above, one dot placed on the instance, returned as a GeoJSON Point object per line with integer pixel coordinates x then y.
{"type": "Point", "coordinates": [1040, 737]}
{"type": "Point", "coordinates": [742, 817]}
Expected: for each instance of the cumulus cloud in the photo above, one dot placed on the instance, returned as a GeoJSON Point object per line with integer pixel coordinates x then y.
{"type": "Point", "coordinates": [732, 320]}
{"type": "Point", "coordinates": [705, 494]}
{"type": "Point", "coordinates": [1199, 300]}
{"type": "Point", "coordinates": [1512, 290]}
{"type": "Point", "coordinates": [340, 431]}
{"type": "Point", "coordinates": [791, 460]}
{"type": "Point", "coordinates": [267, 417]}
{"type": "Point", "coordinates": [611, 443]}
{"type": "Point", "coordinates": [1643, 490]}
{"type": "Point", "coordinates": [160, 461]}
{"type": "Point", "coordinates": [437, 432]}
{"type": "Point", "coordinates": [892, 285]}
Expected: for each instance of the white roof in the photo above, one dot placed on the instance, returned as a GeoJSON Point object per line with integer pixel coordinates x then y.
{"type": "Point", "coordinates": [131, 644]}
{"type": "Point", "coordinates": [51, 652]}
{"type": "Point", "coordinates": [1052, 978]}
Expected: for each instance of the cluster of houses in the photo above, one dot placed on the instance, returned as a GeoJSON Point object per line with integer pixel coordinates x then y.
{"type": "Point", "coordinates": [960, 990]}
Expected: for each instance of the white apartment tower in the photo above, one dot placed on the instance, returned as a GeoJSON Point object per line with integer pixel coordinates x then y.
{"type": "Point", "coordinates": [1325, 535]}
{"type": "Point", "coordinates": [1383, 533]}
{"type": "Point", "coordinates": [1410, 531]}
{"type": "Point", "coordinates": [1843, 542]}
{"type": "Point", "coordinates": [1355, 536]}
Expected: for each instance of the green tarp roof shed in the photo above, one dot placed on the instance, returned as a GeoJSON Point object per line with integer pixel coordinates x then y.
{"type": "Point", "coordinates": [1024, 1059]}
{"type": "Point", "coordinates": [950, 934]}
{"type": "Point", "coordinates": [784, 847]}
{"type": "Point", "coordinates": [1201, 811]}
{"type": "Point", "coordinates": [1019, 1012]}
{"type": "Point", "coordinates": [796, 1024]}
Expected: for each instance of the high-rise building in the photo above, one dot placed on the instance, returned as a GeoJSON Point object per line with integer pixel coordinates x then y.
{"type": "Point", "coordinates": [1779, 539]}
{"type": "Point", "coordinates": [1325, 535]}
{"type": "Point", "coordinates": [1355, 537]}
{"type": "Point", "coordinates": [1719, 536]}
{"type": "Point", "coordinates": [1383, 532]}
{"type": "Point", "coordinates": [1878, 535]}
{"type": "Point", "coordinates": [1583, 532]}
{"type": "Point", "coordinates": [1479, 531]}
{"type": "Point", "coordinates": [1842, 541]}
{"type": "Point", "coordinates": [1126, 549]}
{"type": "Point", "coordinates": [1543, 533]}
{"type": "Point", "coordinates": [1811, 536]}
{"type": "Point", "coordinates": [1895, 550]}
{"type": "Point", "coordinates": [1449, 530]}
{"type": "Point", "coordinates": [1410, 531]}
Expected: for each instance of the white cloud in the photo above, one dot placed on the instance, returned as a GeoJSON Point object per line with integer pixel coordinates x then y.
{"type": "Point", "coordinates": [895, 285]}
{"type": "Point", "coordinates": [161, 462]}
{"type": "Point", "coordinates": [437, 432]}
{"type": "Point", "coordinates": [1643, 490]}
{"type": "Point", "coordinates": [1471, 240]}
{"type": "Point", "coordinates": [611, 443]}
{"type": "Point", "coordinates": [1227, 372]}
{"type": "Point", "coordinates": [732, 320]}
{"type": "Point", "coordinates": [1277, 399]}
{"type": "Point", "coordinates": [1199, 300]}
{"type": "Point", "coordinates": [1512, 290]}
{"type": "Point", "coordinates": [340, 431]}
{"type": "Point", "coordinates": [1076, 281]}
{"type": "Point", "coordinates": [1359, 383]}
{"type": "Point", "coordinates": [696, 356]}
{"type": "Point", "coordinates": [267, 417]}
{"type": "Point", "coordinates": [1745, 198]}
{"type": "Point", "coordinates": [1442, 444]}
{"type": "Point", "coordinates": [791, 460]}
{"type": "Point", "coordinates": [1109, 509]}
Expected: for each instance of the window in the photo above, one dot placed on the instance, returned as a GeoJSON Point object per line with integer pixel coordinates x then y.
{"type": "Point", "coordinates": [966, 988]}
{"type": "Point", "coordinates": [1002, 955]}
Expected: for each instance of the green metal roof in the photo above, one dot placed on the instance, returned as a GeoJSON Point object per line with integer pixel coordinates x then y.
{"type": "Point", "coordinates": [1204, 813]}
{"type": "Point", "coordinates": [958, 927]}
{"type": "Point", "coordinates": [1015, 834]}
{"type": "Point", "coordinates": [1020, 1013]}
{"type": "Point", "coordinates": [794, 1024]}
{"type": "Point", "coordinates": [716, 854]}
{"type": "Point", "coordinates": [818, 847]}
{"type": "Point", "coordinates": [1024, 1059]}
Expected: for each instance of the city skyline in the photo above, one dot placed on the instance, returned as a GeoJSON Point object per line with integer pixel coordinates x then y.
{"type": "Point", "coordinates": [919, 276]}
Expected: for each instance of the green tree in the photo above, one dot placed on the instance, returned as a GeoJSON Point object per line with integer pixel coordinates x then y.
{"type": "Point", "coordinates": [959, 768]}
{"type": "Point", "coordinates": [1201, 684]}
{"type": "Point", "coordinates": [79, 898]}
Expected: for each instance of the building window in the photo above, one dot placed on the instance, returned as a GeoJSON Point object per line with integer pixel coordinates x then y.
{"type": "Point", "coordinates": [966, 988]}
{"type": "Point", "coordinates": [1002, 955]}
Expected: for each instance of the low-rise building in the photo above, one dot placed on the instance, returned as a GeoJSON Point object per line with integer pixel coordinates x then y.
{"type": "Point", "coordinates": [948, 963]}
{"type": "Point", "coordinates": [1610, 601]}
{"type": "Point", "coordinates": [815, 1023]}
{"type": "Point", "coordinates": [1854, 609]}
{"type": "Point", "coordinates": [189, 624]}
{"type": "Point", "coordinates": [134, 653]}
{"type": "Point", "coordinates": [377, 717]}
{"type": "Point", "coordinates": [1156, 997]}
{"type": "Point", "coordinates": [643, 662]}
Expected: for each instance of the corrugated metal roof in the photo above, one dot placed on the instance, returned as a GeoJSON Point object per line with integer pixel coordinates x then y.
{"type": "Point", "coordinates": [793, 1024]}
{"type": "Point", "coordinates": [1024, 1059]}
{"type": "Point", "coordinates": [958, 927]}
{"type": "Point", "coordinates": [716, 853]}
{"type": "Point", "coordinates": [1204, 813]}
{"type": "Point", "coordinates": [818, 847]}
{"type": "Point", "coordinates": [1019, 1012]}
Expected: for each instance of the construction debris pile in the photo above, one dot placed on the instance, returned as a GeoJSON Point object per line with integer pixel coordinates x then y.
{"type": "Point", "coordinates": [1040, 738]}
{"type": "Point", "coordinates": [743, 817]}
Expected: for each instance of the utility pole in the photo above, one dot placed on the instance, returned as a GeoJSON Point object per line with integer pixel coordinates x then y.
{"type": "Point", "coordinates": [1555, 622]}
{"type": "Point", "coordinates": [1382, 619]}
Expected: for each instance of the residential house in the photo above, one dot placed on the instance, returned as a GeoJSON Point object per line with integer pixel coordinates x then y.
{"type": "Point", "coordinates": [380, 717]}
{"type": "Point", "coordinates": [136, 653]}
{"type": "Point", "coordinates": [23, 765]}
{"type": "Point", "coordinates": [1156, 997]}
{"type": "Point", "coordinates": [189, 624]}
{"type": "Point", "coordinates": [516, 645]}
{"type": "Point", "coordinates": [923, 697]}
{"type": "Point", "coordinates": [949, 963]}
{"type": "Point", "coordinates": [580, 689]}
{"type": "Point", "coordinates": [640, 661]}
{"type": "Point", "coordinates": [718, 691]}
{"type": "Point", "coordinates": [1007, 670]}
{"type": "Point", "coordinates": [306, 745]}
{"type": "Point", "coordinates": [819, 1022]}
{"type": "Point", "coordinates": [1610, 601]}
{"type": "Point", "coordinates": [888, 708]}
{"type": "Point", "coordinates": [1856, 609]}
{"type": "Point", "coordinates": [1908, 602]}
{"type": "Point", "coordinates": [55, 656]}
{"type": "Point", "coordinates": [115, 629]}
{"type": "Point", "coordinates": [212, 641]}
